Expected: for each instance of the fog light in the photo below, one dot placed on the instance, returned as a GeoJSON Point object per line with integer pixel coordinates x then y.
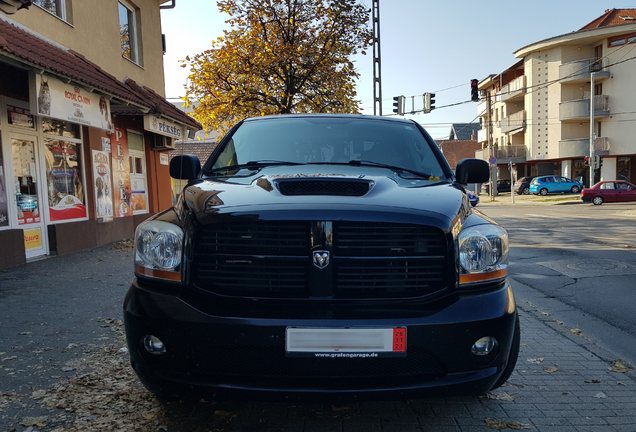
{"type": "Point", "coordinates": [154, 345]}
{"type": "Point", "coordinates": [484, 346]}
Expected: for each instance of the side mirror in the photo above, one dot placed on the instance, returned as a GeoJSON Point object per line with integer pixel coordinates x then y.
{"type": "Point", "coordinates": [472, 171]}
{"type": "Point", "coordinates": [185, 167]}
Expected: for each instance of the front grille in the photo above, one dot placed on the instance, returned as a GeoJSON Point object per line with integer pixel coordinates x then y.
{"type": "Point", "coordinates": [270, 361]}
{"type": "Point", "coordinates": [323, 187]}
{"type": "Point", "coordinates": [273, 259]}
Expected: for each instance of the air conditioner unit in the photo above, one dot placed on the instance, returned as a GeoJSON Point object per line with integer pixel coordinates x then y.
{"type": "Point", "coordinates": [161, 142]}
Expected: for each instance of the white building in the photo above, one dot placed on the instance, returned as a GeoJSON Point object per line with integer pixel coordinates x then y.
{"type": "Point", "coordinates": [540, 106]}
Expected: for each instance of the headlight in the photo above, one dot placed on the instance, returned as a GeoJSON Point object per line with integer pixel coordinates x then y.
{"type": "Point", "coordinates": [158, 247]}
{"type": "Point", "coordinates": [483, 254]}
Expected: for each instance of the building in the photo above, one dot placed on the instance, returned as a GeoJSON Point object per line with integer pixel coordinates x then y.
{"type": "Point", "coordinates": [85, 129]}
{"type": "Point", "coordinates": [537, 113]}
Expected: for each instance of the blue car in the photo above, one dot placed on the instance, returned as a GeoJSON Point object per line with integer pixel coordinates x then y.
{"type": "Point", "coordinates": [472, 197]}
{"type": "Point", "coordinates": [544, 185]}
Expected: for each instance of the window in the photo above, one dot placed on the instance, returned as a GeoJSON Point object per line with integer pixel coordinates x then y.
{"type": "Point", "coordinates": [137, 172]}
{"type": "Point", "coordinates": [59, 8]}
{"type": "Point", "coordinates": [129, 32]}
{"type": "Point", "coordinates": [64, 170]}
{"type": "Point", "coordinates": [621, 40]}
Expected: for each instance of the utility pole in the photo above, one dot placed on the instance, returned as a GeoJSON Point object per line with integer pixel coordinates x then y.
{"type": "Point", "coordinates": [493, 167]}
{"type": "Point", "coordinates": [592, 130]}
{"type": "Point", "coordinates": [377, 64]}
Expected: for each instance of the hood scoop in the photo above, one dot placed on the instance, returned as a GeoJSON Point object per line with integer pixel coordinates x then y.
{"type": "Point", "coordinates": [333, 187]}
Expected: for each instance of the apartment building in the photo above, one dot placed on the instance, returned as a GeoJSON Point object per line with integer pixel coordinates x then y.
{"type": "Point", "coordinates": [537, 114]}
{"type": "Point", "coordinates": [85, 130]}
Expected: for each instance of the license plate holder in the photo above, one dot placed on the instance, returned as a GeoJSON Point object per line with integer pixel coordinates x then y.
{"type": "Point", "coordinates": [345, 342]}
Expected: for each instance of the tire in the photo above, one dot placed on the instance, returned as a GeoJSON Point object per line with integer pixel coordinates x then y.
{"type": "Point", "coordinates": [526, 191]}
{"type": "Point", "coordinates": [543, 192]}
{"type": "Point", "coordinates": [512, 357]}
{"type": "Point", "coordinates": [597, 200]}
{"type": "Point", "coordinates": [575, 189]}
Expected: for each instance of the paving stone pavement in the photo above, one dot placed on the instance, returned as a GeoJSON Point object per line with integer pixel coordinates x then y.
{"type": "Point", "coordinates": [562, 381]}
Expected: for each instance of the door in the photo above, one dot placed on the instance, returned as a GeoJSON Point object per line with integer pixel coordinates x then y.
{"type": "Point", "coordinates": [27, 194]}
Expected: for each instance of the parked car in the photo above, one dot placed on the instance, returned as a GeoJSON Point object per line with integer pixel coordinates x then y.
{"type": "Point", "coordinates": [502, 186]}
{"type": "Point", "coordinates": [609, 191]}
{"type": "Point", "coordinates": [472, 197]}
{"type": "Point", "coordinates": [322, 256]}
{"type": "Point", "coordinates": [522, 185]}
{"type": "Point", "coordinates": [544, 185]}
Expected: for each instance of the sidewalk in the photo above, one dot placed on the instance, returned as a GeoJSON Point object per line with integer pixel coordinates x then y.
{"type": "Point", "coordinates": [62, 368]}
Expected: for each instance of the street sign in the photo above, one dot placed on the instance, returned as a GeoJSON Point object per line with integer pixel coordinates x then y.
{"type": "Point", "coordinates": [492, 160]}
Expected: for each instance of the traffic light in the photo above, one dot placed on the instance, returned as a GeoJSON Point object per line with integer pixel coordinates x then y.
{"type": "Point", "coordinates": [399, 105]}
{"type": "Point", "coordinates": [474, 91]}
{"type": "Point", "coordinates": [587, 161]}
{"type": "Point", "coordinates": [598, 162]}
{"type": "Point", "coordinates": [429, 102]}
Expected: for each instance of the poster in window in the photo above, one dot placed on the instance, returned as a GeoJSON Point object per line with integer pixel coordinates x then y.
{"type": "Point", "coordinates": [139, 194]}
{"type": "Point", "coordinates": [64, 180]}
{"type": "Point", "coordinates": [122, 196]}
{"type": "Point", "coordinates": [103, 185]}
{"type": "Point", "coordinates": [4, 206]}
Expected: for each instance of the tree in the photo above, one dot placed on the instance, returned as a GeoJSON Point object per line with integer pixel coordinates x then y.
{"type": "Point", "coordinates": [279, 57]}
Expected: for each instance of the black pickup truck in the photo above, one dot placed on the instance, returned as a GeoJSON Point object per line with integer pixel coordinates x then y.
{"type": "Point", "coordinates": [322, 256]}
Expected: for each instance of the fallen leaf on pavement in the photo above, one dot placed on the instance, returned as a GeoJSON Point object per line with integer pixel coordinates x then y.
{"type": "Point", "coordinates": [576, 331]}
{"type": "Point", "coordinates": [38, 394]}
{"type": "Point", "coordinates": [619, 367]}
{"type": "Point", "coordinates": [558, 322]}
{"type": "Point", "coordinates": [33, 421]}
{"type": "Point", "coordinates": [505, 424]}
{"type": "Point", "coordinates": [595, 381]}
{"type": "Point", "coordinates": [550, 369]}
{"type": "Point", "coordinates": [339, 408]}
{"type": "Point", "coordinates": [600, 395]}
{"type": "Point", "coordinates": [536, 361]}
{"type": "Point", "coordinates": [500, 396]}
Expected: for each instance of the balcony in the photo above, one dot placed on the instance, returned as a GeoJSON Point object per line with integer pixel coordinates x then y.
{"type": "Point", "coordinates": [580, 70]}
{"type": "Point", "coordinates": [514, 90]}
{"type": "Point", "coordinates": [513, 122]}
{"type": "Point", "coordinates": [579, 109]}
{"type": "Point", "coordinates": [482, 135]}
{"type": "Point", "coordinates": [505, 154]}
{"type": "Point", "coordinates": [580, 147]}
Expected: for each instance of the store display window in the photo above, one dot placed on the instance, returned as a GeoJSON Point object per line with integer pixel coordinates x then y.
{"type": "Point", "coordinates": [25, 181]}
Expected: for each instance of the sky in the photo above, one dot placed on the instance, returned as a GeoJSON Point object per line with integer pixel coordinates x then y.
{"type": "Point", "coordinates": [425, 46]}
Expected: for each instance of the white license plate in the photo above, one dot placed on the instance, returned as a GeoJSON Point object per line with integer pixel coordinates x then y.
{"type": "Point", "coordinates": [345, 342]}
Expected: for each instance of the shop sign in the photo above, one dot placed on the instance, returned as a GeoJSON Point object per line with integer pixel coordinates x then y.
{"type": "Point", "coordinates": [121, 175]}
{"type": "Point", "coordinates": [163, 127]}
{"type": "Point", "coordinates": [103, 185]}
{"type": "Point", "coordinates": [164, 159]}
{"type": "Point", "coordinates": [53, 98]}
{"type": "Point", "coordinates": [106, 144]}
{"type": "Point", "coordinates": [32, 239]}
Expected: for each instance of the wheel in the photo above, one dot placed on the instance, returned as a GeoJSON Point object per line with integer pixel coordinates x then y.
{"type": "Point", "coordinates": [512, 357]}
{"type": "Point", "coordinates": [597, 200]}
{"type": "Point", "coordinates": [543, 192]}
{"type": "Point", "coordinates": [526, 191]}
{"type": "Point", "coordinates": [575, 189]}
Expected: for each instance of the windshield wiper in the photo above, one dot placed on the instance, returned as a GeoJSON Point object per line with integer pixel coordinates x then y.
{"type": "Point", "coordinates": [251, 164]}
{"type": "Point", "coordinates": [356, 162]}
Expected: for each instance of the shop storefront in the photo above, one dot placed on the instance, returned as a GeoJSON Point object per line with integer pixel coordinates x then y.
{"type": "Point", "coordinates": [72, 174]}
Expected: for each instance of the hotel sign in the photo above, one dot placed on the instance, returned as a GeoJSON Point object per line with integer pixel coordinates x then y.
{"type": "Point", "coordinates": [164, 127]}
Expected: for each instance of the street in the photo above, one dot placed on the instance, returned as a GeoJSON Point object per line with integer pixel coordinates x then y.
{"type": "Point", "coordinates": [64, 366]}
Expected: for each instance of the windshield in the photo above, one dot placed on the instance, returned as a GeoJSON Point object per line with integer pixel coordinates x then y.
{"type": "Point", "coordinates": [329, 140]}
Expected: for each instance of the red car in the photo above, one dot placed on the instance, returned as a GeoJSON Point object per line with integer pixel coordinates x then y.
{"type": "Point", "coordinates": [609, 191]}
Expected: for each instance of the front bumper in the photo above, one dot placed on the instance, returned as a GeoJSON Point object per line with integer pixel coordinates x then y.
{"type": "Point", "coordinates": [219, 356]}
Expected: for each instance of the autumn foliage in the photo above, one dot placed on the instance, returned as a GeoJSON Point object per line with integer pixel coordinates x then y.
{"type": "Point", "coordinates": [280, 56]}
